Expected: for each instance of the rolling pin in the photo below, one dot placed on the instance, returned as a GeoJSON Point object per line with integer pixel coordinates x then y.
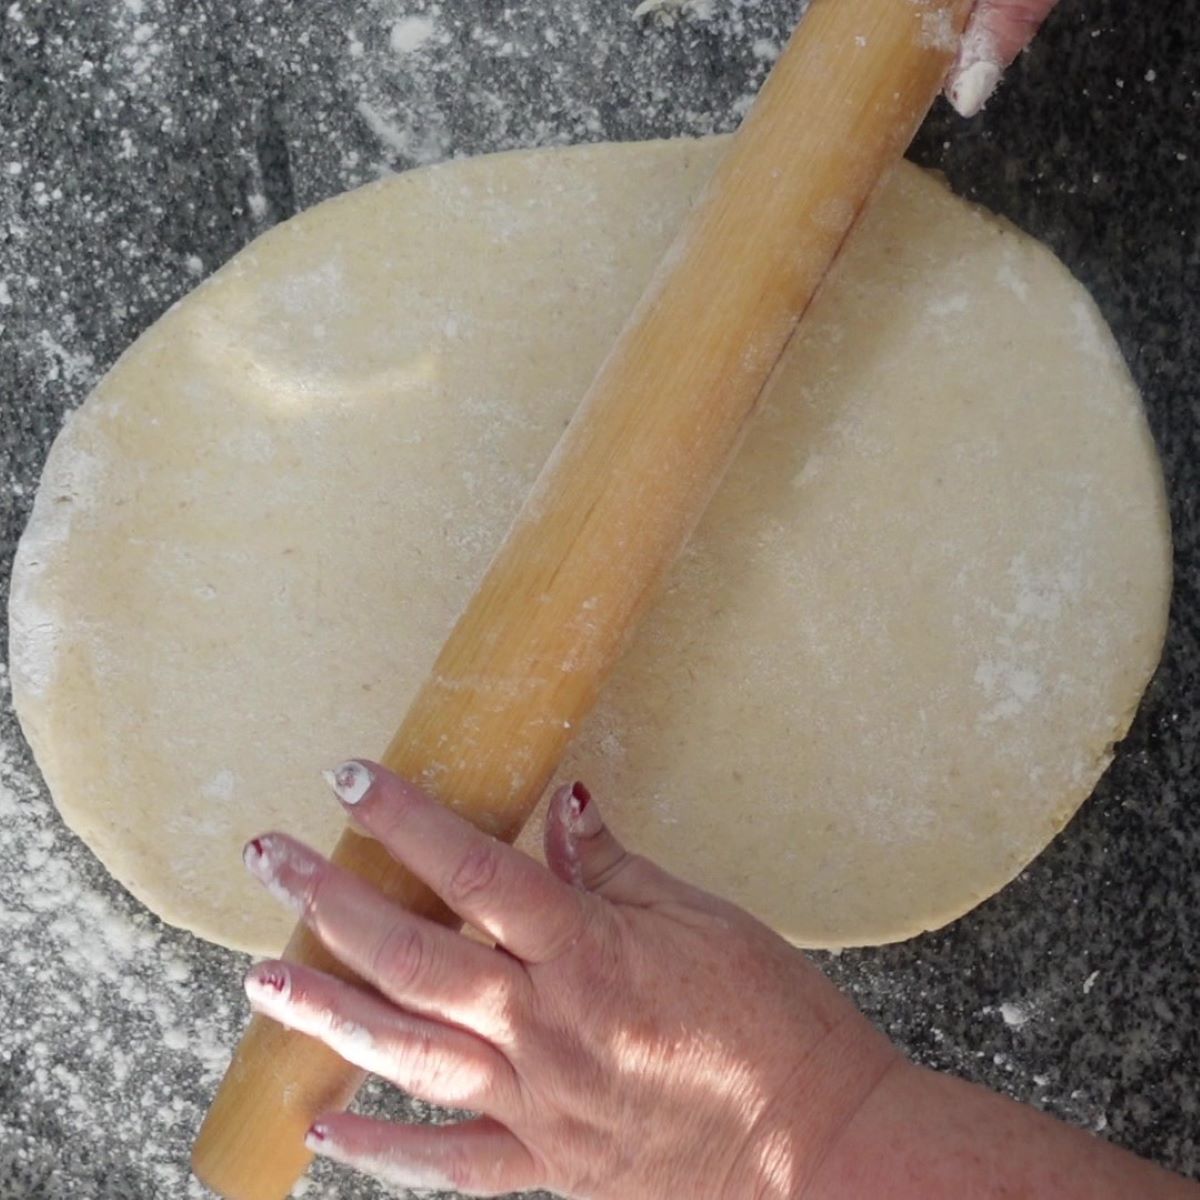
{"type": "Point", "coordinates": [615, 502]}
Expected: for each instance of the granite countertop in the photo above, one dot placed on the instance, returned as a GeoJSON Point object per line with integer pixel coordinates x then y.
{"type": "Point", "coordinates": [145, 141]}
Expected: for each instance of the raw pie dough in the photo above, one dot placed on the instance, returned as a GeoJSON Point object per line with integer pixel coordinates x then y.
{"type": "Point", "coordinates": [889, 667]}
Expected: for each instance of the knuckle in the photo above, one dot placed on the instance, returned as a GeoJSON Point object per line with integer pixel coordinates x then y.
{"type": "Point", "coordinates": [631, 867]}
{"type": "Point", "coordinates": [596, 956]}
{"type": "Point", "coordinates": [400, 956]}
{"type": "Point", "coordinates": [559, 941]}
{"type": "Point", "coordinates": [507, 1009]}
{"type": "Point", "coordinates": [475, 873]}
{"type": "Point", "coordinates": [311, 894]}
{"type": "Point", "coordinates": [421, 1061]}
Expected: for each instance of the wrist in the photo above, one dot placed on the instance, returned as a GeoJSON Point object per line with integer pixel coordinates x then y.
{"type": "Point", "coordinates": [924, 1136]}
{"type": "Point", "coordinates": [851, 1161]}
{"type": "Point", "coordinates": [792, 1139]}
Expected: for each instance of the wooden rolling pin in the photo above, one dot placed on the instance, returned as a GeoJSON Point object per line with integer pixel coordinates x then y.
{"type": "Point", "coordinates": [612, 507]}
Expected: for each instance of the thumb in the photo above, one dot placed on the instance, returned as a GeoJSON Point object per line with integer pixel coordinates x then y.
{"type": "Point", "coordinates": [581, 850]}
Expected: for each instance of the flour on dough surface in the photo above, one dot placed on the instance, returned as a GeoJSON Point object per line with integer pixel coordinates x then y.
{"type": "Point", "coordinates": [886, 670]}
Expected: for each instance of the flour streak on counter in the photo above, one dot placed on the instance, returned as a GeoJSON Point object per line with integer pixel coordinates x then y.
{"type": "Point", "coordinates": [105, 984]}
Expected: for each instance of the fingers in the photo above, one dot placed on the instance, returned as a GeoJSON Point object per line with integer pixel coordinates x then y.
{"type": "Point", "coordinates": [437, 1062]}
{"type": "Point", "coordinates": [412, 961]}
{"type": "Point", "coordinates": [997, 32]}
{"type": "Point", "coordinates": [489, 884]}
{"type": "Point", "coordinates": [1009, 25]}
{"type": "Point", "coordinates": [581, 850]}
{"type": "Point", "coordinates": [478, 1158]}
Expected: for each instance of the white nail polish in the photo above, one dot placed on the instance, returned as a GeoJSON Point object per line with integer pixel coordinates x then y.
{"type": "Point", "coordinates": [973, 87]}
{"type": "Point", "coordinates": [265, 857]}
{"type": "Point", "coordinates": [350, 782]}
{"type": "Point", "coordinates": [977, 71]}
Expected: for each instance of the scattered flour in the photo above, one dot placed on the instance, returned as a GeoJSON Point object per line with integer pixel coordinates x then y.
{"type": "Point", "coordinates": [411, 33]}
{"type": "Point", "coordinates": [900, 990]}
{"type": "Point", "coordinates": [413, 143]}
{"type": "Point", "coordinates": [110, 1031]}
{"type": "Point", "coordinates": [220, 786]}
{"type": "Point", "coordinates": [702, 8]}
{"type": "Point", "coordinates": [937, 30]}
{"type": "Point", "coordinates": [1014, 1015]}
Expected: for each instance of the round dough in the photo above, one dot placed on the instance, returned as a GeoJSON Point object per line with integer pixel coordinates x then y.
{"type": "Point", "coordinates": [891, 663]}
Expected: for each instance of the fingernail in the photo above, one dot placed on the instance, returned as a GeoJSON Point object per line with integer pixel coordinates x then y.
{"type": "Point", "coordinates": [585, 816]}
{"type": "Point", "coordinates": [350, 782]}
{"type": "Point", "coordinates": [264, 856]}
{"type": "Point", "coordinates": [267, 986]}
{"type": "Point", "coordinates": [973, 87]}
{"type": "Point", "coordinates": [316, 1136]}
{"type": "Point", "coordinates": [254, 855]}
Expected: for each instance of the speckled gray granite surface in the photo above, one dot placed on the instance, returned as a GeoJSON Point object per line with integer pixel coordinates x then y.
{"type": "Point", "coordinates": [143, 142]}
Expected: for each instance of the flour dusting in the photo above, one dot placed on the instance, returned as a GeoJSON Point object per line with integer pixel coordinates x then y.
{"type": "Point", "coordinates": [411, 33]}
{"type": "Point", "coordinates": [108, 987]}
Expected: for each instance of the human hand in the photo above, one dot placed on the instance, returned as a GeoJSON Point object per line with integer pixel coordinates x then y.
{"type": "Point", "coordinates": [629, 1037]}
{"type": "Point", "coordinates": [998, 30]}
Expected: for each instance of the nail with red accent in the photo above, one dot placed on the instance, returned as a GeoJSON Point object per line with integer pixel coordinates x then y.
{"type": "Point", "coordinates": [267, 986]}
{"type": "Point", "coordinates": [283, 870]}
{"type": "Point", "coordinates": [257, 856]}
{"type": "Point", "coordinates": [585, 817]}
{"type": "Point", "coordinates": [316, 1136]}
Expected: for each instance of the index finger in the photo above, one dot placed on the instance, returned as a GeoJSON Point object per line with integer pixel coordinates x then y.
{"type": "Point", "coordinates": [1009, 25]}
{"type": "Point", "coordinates": [501, 891]}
